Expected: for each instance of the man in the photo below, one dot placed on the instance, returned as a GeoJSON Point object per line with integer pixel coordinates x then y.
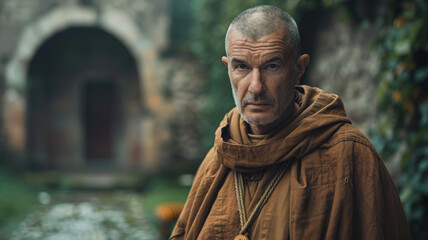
{"type": "Point", "coordinates": [286, 162]}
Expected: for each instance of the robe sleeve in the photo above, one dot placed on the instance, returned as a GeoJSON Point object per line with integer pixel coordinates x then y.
{"type": "Point", "coordinates": [207, 182]}
{"type": "Point", "coordinates": [378, 213]}
{"type": "Point", "coordinates": [183, 220]}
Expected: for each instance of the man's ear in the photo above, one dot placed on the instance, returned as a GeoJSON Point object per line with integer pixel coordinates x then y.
{"type": "Point", "coordinates": [302, 63]}
{"type": "Point", "coordinates": [224, 60]}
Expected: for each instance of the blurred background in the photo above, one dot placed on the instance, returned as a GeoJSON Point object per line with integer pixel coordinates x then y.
{"type": "Point", "coordinates": [107, 107]}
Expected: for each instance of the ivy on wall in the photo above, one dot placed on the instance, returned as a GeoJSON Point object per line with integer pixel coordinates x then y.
{"type": "Point", "coordinates": [402, 98]}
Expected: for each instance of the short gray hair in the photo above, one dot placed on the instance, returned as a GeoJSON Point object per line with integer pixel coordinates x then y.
{"type": "Point", "coordinates": [263, 20]}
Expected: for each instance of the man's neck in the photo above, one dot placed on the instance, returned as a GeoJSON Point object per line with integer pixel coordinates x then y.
{"type": "Point", "coordinates": [265, 129]}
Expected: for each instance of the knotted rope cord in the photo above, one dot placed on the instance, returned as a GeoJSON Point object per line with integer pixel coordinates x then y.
{"type": "Point", "coordinates": [239, 181]}
{"type": "Point", "coordinates": [239, 189]}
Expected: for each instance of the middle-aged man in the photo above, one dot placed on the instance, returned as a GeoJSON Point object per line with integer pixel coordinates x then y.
{"type": "Point", "coordinates": [286, 162]}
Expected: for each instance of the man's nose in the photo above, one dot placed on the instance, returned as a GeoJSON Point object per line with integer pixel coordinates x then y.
{"type": "Point", "coordinates": [256, 84]}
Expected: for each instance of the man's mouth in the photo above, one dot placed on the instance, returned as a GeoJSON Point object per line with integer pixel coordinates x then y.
{"type": "Point", "coordinates": [258, 105]}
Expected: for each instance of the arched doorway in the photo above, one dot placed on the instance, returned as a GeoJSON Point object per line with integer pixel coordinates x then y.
{"type": "Point", "coordinates": [82, 96]}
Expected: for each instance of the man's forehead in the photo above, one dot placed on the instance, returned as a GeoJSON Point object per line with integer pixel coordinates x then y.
{"type": "Point", "coordinates": [278, 41]}
{"type": "Point", "coordinates": [237, 34]}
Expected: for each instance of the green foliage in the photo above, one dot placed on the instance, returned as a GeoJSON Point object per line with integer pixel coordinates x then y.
{"type": "Point", "coordinates": [16, 199]}
{"type": "Point", "coordinates": [402, 129]}
{"type": "Point", "coordinates": [209, 47]}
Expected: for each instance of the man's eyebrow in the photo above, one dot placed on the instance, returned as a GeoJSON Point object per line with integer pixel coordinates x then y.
{"type": "Point", "coordinates": [238, 61]}
{"type": "Point", "coordinates": [273, 59]}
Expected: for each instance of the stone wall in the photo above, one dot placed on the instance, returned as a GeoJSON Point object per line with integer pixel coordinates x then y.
{"type": "Point", "coordinates": [143, 28]}
{"type": "Point", "coordinates": [184, 87]}
{"type": "Point", "coordinates": [342, 63]}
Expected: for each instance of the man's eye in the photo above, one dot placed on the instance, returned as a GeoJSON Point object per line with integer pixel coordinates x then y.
{"type": "Point", "coordinates": [272, 66]}
{"type": "Point", "coordinates": [242, 66]}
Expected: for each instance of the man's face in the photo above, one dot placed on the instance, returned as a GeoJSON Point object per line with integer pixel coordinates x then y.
{"type": "Point", "coordinates": [263, 75]}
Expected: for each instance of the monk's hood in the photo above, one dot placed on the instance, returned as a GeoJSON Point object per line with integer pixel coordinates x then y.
{"type": "Point", "coordinates": [319, 116]}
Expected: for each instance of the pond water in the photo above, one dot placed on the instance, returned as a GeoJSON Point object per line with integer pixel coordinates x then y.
{"type": "Point", "coordinates": [88, 216]}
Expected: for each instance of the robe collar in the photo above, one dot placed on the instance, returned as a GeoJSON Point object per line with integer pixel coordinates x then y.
{"type": "Point", "coordinates": [319, 116]}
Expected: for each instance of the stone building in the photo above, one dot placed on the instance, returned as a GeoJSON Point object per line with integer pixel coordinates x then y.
{"type": "Point", "coordinates": [87, 84]}
{"type": "Point", "coordinates": [83, 83]}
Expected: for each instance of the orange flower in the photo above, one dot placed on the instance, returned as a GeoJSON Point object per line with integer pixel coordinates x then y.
{"type": "Point", "coordinates": [169, 211]}
{"type": "Point", "coordinates": [397, 96]}
{"type": "Point", "coordinates": [400, 22]}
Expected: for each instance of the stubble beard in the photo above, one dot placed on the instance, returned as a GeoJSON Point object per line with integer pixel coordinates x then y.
{"type": "Point", "coordinates": [264, 121]}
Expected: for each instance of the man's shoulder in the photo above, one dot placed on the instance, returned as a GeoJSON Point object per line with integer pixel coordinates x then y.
{"type": "Point", "coordinates": [350, 140]}
{"type": "Point", "coordinates": [348, 134]}
{"type": "Point", "coordinates": [349, 147]}
{"type": "Point", "coordinates": [210, 165]}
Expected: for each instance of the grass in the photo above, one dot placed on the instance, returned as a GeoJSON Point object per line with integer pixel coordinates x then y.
{"type": "Point", "coordinates": [160, 192]}
{"type": "Point", "coordinates": [16, 200]}
{"type": "Point", "coordinates": [164, 193]}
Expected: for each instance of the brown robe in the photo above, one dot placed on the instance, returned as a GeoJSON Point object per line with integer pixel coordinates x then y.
{"type": "Point", "coordinates": [337, 186]}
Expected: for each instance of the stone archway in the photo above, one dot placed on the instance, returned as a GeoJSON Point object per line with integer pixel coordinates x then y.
{"type": "Point", "coordinates": [112, 21]}
{"type": "Point", "coordinates": [79, 85]}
